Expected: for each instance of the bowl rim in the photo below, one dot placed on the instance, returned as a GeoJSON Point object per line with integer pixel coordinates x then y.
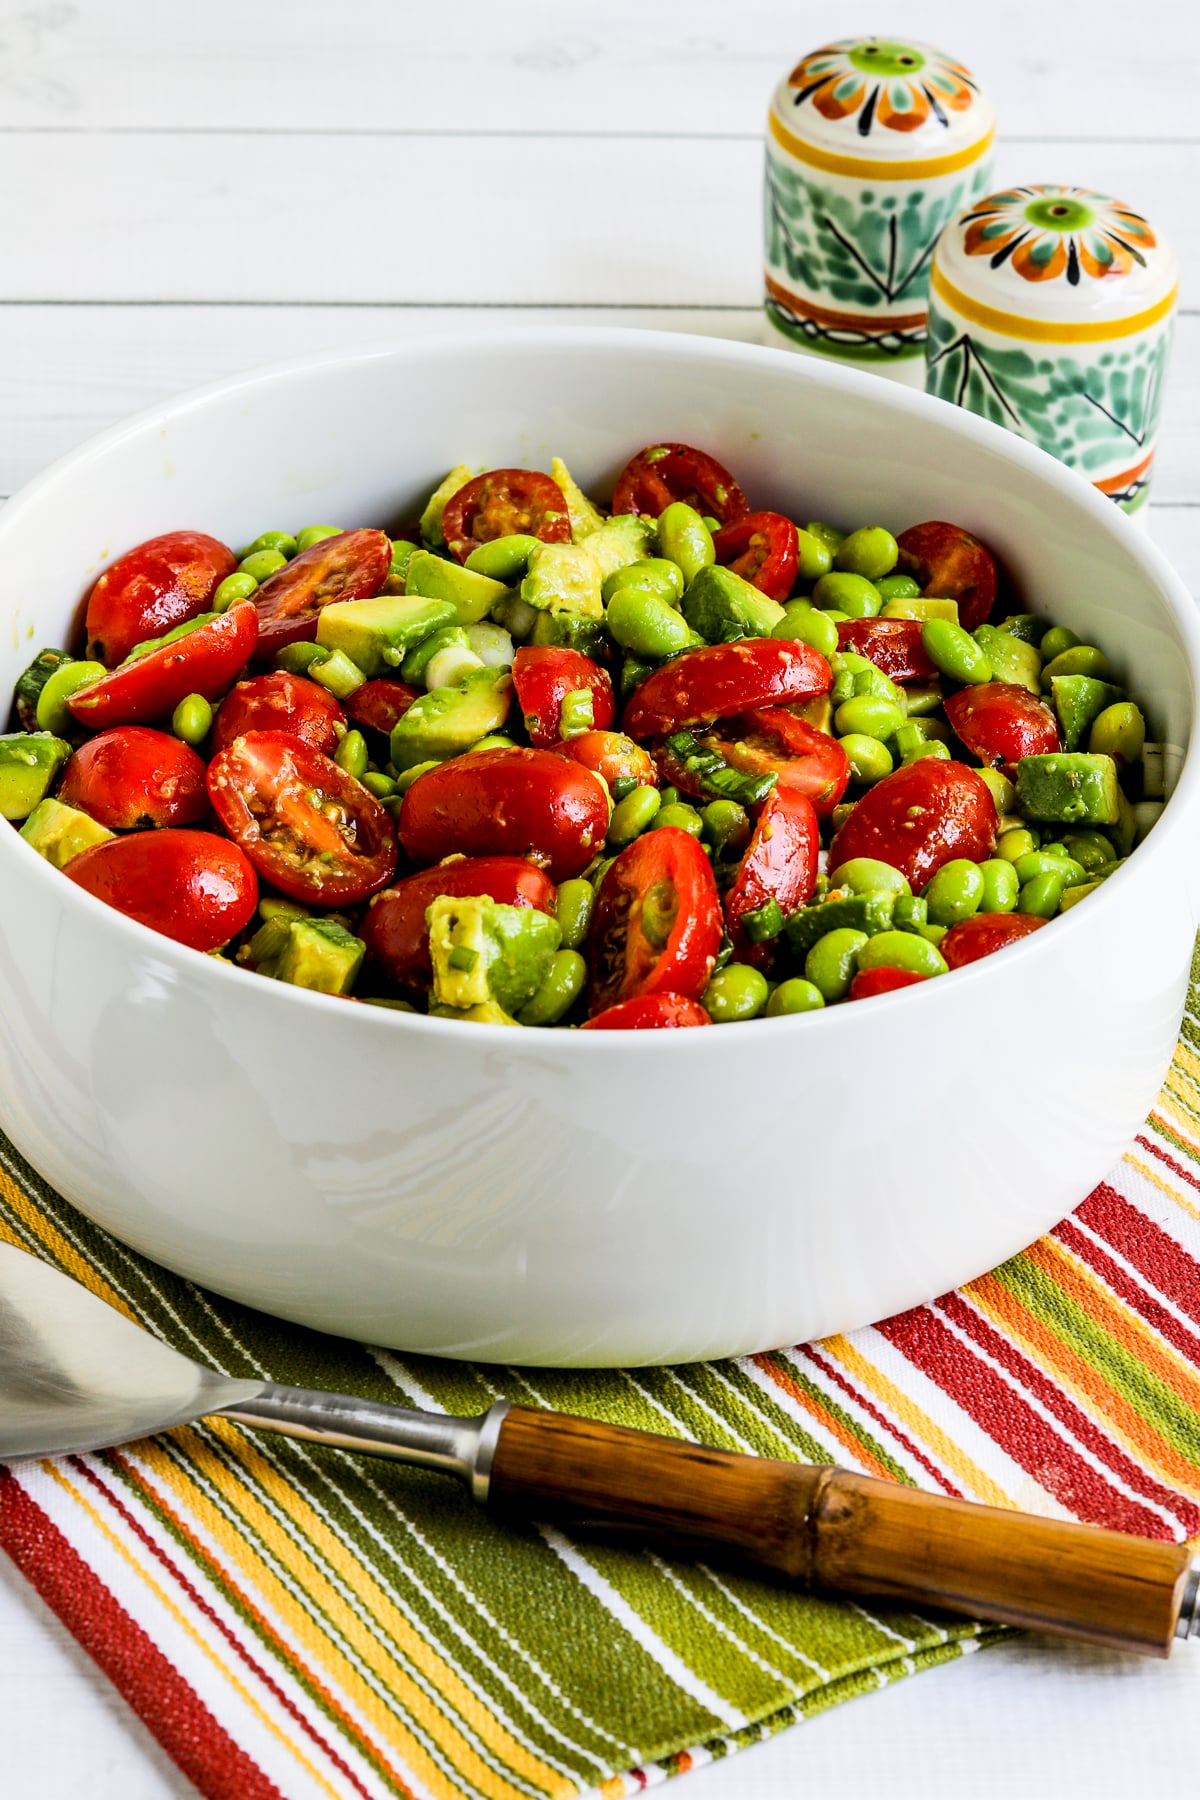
{"type": "Point", "coordinates": [1096, 508]}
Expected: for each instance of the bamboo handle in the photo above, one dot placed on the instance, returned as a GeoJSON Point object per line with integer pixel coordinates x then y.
{"type": "Point", "coordinates": [831, 1529]}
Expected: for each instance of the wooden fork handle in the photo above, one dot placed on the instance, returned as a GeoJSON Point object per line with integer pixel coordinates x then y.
{"type": "Point", "coordinates": [827, 1528]}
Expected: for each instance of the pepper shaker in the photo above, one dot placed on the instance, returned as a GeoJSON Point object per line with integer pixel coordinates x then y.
{"type": "Point", "coordinates": [1051, 312]}
{"type": "Point", "coordinates": [872, 146]}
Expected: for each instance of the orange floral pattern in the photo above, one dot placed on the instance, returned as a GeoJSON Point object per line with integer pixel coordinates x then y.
{"type": "Point", "coordinates": [1051, 233]}
{"type": "Point", "coordinates": [882, 84]}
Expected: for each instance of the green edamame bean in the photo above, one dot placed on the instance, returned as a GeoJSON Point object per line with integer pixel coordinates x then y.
{"type": "Point", "coordinates": [1045, 862]}
{"type": "Point", "coordinates": [262, 564]}
{"type": "Point", "coordinates": [853, 595]}
{"type": "Point", "coordinates": [684, 538]}
{"type": "Point", "coordinates": [830, 964]}
{"type": "Point", "coordinates": [1001, 886]}
{"type": "Point", "coordinates": [898, 587]}
{"type": "Point", "coordinates": [955, 892]}
{"type": "Point", "coordinates": [726, 826]}
{"type": "Point", "coordinates": [192, 719]}
{"type": "Point", "coordinates": [669, 796]}
{"type": "Point", "coordinates": [1090, 849]}
{"type": "Point", "coordinates": [382, 786]}
{"type": "Point", "coordinates": [351, 754]}
{"type": "Point", "coordinates": [814, 557]}
{"type": "Point", "coordinates": [561, 986]}
{"type": "Point", "coordinates": [653, 574]}
{"type": "Point", "coordinates": [920, 701]}
{"type": "Point", "coordinates": [735, 992]}
{"type": "Point", "coordinates": [227, 593]}
{"type": "Point", "coordinates": [645, 625]}
{"type": "Point", "coordinates": [910, 950]}
{"type": "Point", "coordinates": [1056, 640]}
{"type": "Point", "coordinates": [869, 760]}
{"type": "Point", "coordinates": [954, 652]}
{"type": "Point", "coordinates": [680, 816]}
{"type": "Point", "coordinates": [931, 747]}
{"type": "Point", "coordinates": [712, 522]}
{"type": "Point", "coordinates": [632, 815]}
{"type": "Point", "coordinates": [869, 551]}
{"type": "Point", "coordinates": [504, 558]}
{"type": "Point", "coordinates": [828, 534]}
{"type": "Point", "coordinates": [1080, 659]}
{"type": "Point", "coordinates": [316, 534]}
{"type": "Point", "coordinates": [1042, 895]}
{"type": "Point", "coordinates": [1013, 845]}
{"type": "Point", "coordinates": [870, 717]}
{"type": "Point", "coordinates": [802, 622]}
{"type": "Point", "coordinates": [1119, 732]}
{"type": "Point", "coordinates": [283, 541]}
{"type": "Point", "coordinates": [1001, 789]}
{"type": "Point", "coordinates": [866, 875]}
{"type": "Point", "coordinates": [794, 996]}
{"type": "Point", "coordinates": [573, 910]}
{"type": "Point", "coordinates": [52, 713]}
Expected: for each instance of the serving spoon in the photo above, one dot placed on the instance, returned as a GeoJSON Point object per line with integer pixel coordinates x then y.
{"type": "Point", "coordinates": [76, 1375]}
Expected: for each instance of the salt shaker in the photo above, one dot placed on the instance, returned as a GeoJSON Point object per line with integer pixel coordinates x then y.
{"type": "Point", "coordinates": [1051, 312]}
{"type": "Point", "coordinates": [872, 146]}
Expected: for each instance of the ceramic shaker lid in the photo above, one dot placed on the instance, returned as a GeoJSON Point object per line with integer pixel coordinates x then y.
{"type": "Point", "coordinates": [868, 99]}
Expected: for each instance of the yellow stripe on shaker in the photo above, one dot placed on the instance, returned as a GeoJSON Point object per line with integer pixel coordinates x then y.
{"type": "Point", "coordinates": [1044, 331]}
{"type": "Point", "coordinates": [868, 168]}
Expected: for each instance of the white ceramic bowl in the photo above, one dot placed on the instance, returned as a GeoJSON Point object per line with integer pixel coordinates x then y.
{"type": "Point", "coordinates": [587, 1198]}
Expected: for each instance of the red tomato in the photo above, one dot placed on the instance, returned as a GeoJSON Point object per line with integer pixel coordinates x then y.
{"type": "Point", "coordinates": [722, 679]}
{"type": "Point", "coordinates": [780, 864]}
{"type": "Point", "coordinates": [893, 645]}
{"type": "Point", "coordinates": [919, 817]}
{"type": "Point", "coordinates": [190, 885]}
{"type": "Point", "coordinates": [131, 777]}
{"type": "Point", "coordinates": [306, 825]}
{"type": "Point", "coordinates": [147, 592]}
{"type": "Point", "coordinates": [649, 1012]}
{"type": "Point", "coordinates": [610, 755]}
{"type": "Point", "coordinates": [279, 702]}
{"type": "Point", "coordinates": [507, 803]}
{"type": "Point", "coordinates": [762, 548]}
{"type": "Point", "coordinates": [806, 760]}
{"type": "Point", "coordinates": [206, 662]}
{"type": "Point", "coordinates": [950, 564]}
{"type": "Point", "coordinates": [502, 502]}
{"type": "Point", "coordinates": [544, 676]}
{"type": "Point", "coordinates": [352, 566]}
{"type": "Point", "coordinates": [869, 982]}
{"type": "Point", "coordinates": [984, 934]}
{"type": "Point", "coordinates": [664, 472]}
{"type": "Point", "coordinates": [656, 927]}
{"type": "Point", "coordinates": [378, 704]}
{"type": "Point", "coordinates": [394, 928]}
{"type": "Point", "coordinates": [1000, 722]}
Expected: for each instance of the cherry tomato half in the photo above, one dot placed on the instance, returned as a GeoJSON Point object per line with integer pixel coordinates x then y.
{"type": "Point", "coordinates": [206, 662]}
{"type": "Point", "coordinates": [656, 926]}
{"type": "Point", "coordinates": [762, 548]}
{"type": "Point", "coordinates": [921, 816]}
{"type": "Point", "coordinates": [610, 755]}
{"type": "Point", "coordinates": [780, 864]}
{"type": "Point", "coordinates": [544, 676]}
{"type": "Point", "coordinates": [649, 1012]}
{"type": "Point", "coordinates": [147, 592]}
{"type": "Point", "coordinates": [722, 679]}
{"type": "Point", "coordinates": [984, 934]}
{"type": "Point", "coordinates": [950, 564]}
{"type": "Point", "coordinates": [378, 704]}
{"type": "Point", "coordinates": [279, 702]}
{"type": "Point", "coordinates": [306, 825]}
{"type": "Point", "coordinates": [394, 928]}
{"type": "Point", "coordinates": [507, 803]}
{"type": "Point", "coordinates": [130, 777]}
{"type": "Point", "coordinates": [502, 502]}
{"type": "Point", "coordinates": [1000, 722]}
{"type": "Point", "coordinates": [806, 760]}
{"type": "Point", "coordinates": [189, 885]}
{"type": "Point", "coordinates": [893, 645]}
{"type": "Point", "coordinates": [352, 566]}
{"type": "Point", "coordinates": [869, 982]}
{"type": "Point", "coordinates": [664, 472]}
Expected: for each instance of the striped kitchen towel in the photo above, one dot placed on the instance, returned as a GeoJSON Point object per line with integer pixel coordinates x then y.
{"type": "Point", "coordinates": [292, 1622]}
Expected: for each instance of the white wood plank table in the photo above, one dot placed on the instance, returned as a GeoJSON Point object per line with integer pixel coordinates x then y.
{"type": "Point", "coordinates": [189, 191]}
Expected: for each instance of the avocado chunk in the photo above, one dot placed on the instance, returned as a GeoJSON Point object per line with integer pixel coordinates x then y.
{"type": "Point", "coordinates": [377, 634]}
{"type": "Point", "coordinates": [29, 761]}
{"type": "Point", "coordinates": [431, 518]}
{"type": "Point", "coordinates": [585, 635]}
{"type": "Point", "coordinates": [29, 685]}
{"type": "Point", "coordinates": [922, 607]}
{"type": "Point", "coordinates": [721, 607]}
{"type": "Point", "coordinates": [585, 518]}
{"type": "Point", "coordinates": [60, 832]}
{"type": "Point", "coordinates": [321, 955]}
{"type": "Point", "coordinates": [1012, 659]}
{"type": "Point", "coordinates": [471, 595]}
{"type": "Point", "coordinates": [487, 1014]}
{"type": "Point", "coordinates": [447, 721]}
{"type": "Point", "coordinates": [1069, 788]}
{"type": "Point", "coordinates": [870, 912]}
{"type": "Point", "coordinates": [1079, 700]}
{"type": "Point", "coordinates": [486, 953]}
{"type": "Point", "coordinates": [621, 541]}
{"type": "Point", "coordinates": [564, 578]}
